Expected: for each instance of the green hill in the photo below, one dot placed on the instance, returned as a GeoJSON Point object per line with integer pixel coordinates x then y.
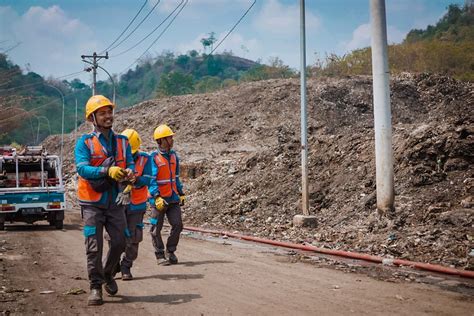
{"type": "Point", "coordinates": [27, 100]}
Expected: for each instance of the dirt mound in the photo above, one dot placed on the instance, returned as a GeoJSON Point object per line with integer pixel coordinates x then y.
{"type": "Point", "coordinates": [241, 155]}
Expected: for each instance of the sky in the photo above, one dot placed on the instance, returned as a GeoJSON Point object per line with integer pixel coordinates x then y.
{"type": "Point", "coordinates": [49, 36]}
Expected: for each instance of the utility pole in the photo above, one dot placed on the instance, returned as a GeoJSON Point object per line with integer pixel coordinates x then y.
{"type": "Point", "coordinates": [95, 58]}
{"type": "Point", "coordinates": [382, 110]}
{"type": "Point", "coordinates": [305, 219]}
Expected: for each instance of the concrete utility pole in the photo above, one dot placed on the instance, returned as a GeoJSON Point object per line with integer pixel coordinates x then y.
{"type": "Point", "coordinates": [382, 111]}
{"type": "Point", "coordinates": [305, 219]}
{"type": "Point", "coordinates": [95, 58]}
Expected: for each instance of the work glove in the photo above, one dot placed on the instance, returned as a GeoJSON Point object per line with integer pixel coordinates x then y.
{"type": "Point", "coordinates": [181, 200]}
{"type": "Point", "coordinates": [123, 198]}
{"type": "Point", "coordinates": [130, 176]}
{"type": "Point", "coordinates": [160, 204]}
{"type": "Point", "coordinates": [116, 173]}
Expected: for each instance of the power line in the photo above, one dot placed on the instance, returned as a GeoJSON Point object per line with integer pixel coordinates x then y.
{"type": "Point", "coordinates": [38, 107]}
{"type": "Point", "coordinates": [39, 83]}
{"type": "Point", "coordinates": [136, 27]}
{"type": "Point", "coordinates": [235, 25]}
{"type": "Point", "coordinates": [153, 31]}
{"type": "Point", "coordinates": [207, 56]}
{"type": "Point", "coordinates": [159, 36]}
{"type": "Point", "coordinates": [11, 48]}
{"type": "Point", "coordinates": [136, 15]}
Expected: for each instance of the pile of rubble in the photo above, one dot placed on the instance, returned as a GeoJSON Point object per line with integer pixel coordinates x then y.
{"type": "Point", "coordinates": [240, 151]}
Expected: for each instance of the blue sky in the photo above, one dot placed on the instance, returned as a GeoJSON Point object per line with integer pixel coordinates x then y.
{"type": "Point", "coordinates": [54, 34]}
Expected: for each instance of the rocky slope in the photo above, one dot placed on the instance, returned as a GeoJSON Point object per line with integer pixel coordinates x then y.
{"type": "Point", "coordinates": [241, 156]}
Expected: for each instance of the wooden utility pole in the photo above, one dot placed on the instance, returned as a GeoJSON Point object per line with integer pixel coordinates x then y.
{"type": "Point", "coordinates": [95, 58]}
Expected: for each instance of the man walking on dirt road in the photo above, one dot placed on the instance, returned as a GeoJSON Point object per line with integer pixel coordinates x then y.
{"type": "Point", "coordinates": [167, 195]}
{"type": "Point", "coordinates": [137, 207]}
{"type": "Point", "coordinates": [103, 159]}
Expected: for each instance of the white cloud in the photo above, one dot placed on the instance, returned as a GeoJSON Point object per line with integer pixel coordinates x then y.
{"type": "Point", "coordinates": [394, 35]}
{"type": "Point", "coordinates": [277, 18]}
{"type": "Point", "coordinates": [361, 37]}
{"type": "Point", "coordinates": [52, 42]}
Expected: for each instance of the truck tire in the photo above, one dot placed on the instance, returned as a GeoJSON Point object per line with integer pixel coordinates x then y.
{"type": "Point", "coordinates": [2, 222]}
{"type": "Point", "coordinates": [58, 224]}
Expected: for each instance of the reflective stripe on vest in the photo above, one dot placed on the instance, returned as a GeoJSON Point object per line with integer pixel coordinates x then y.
{"type": "Point", "coordinates": [139, 195]}
{"type": "Point", "coordinates": [85, 192]}
{"type": "Point", "coordinates": [166, 175]}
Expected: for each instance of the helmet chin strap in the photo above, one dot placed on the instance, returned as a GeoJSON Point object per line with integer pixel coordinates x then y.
{"type": "Point", "coordinates": [95, 122]}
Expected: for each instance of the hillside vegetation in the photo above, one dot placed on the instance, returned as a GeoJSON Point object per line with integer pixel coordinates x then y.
{"type": "Point", "coordinates": [445, 48]}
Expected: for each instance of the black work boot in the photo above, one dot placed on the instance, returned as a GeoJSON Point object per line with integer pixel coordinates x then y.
{"type": "Point", "coordinates": [111, 287]}
{"type": "Point", "coordinates": [126, 274]}
{"type": "Point", "coordinates": [172, 258]}
{"type": "Point", "coordinates": [161, 258]}
{"type": "Point", "coordinates": [95, 298]}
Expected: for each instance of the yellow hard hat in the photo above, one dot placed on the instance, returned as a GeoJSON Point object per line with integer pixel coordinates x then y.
{"type": "Point", "coordinates": [133, 138]}
{"type": "Point", "coordinates": [96, 102]}
{"type": "Point", "coordinates": [162, 131]}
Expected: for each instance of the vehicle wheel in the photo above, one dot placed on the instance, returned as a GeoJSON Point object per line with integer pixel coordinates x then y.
{"type": "Point", "coordinates": [59, 224]}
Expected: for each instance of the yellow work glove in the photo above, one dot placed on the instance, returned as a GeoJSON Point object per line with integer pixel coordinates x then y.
{"type": "Point", "coordinates": [116, 173]}
{"type": "Point", "coordinates": [160, 204]}
{"type": "Point", "coordinates": [181, 200]}
{"type": "Point", "coordinates": [127, 189]}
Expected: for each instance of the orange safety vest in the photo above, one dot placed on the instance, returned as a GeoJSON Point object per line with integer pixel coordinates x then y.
{"type": "Point", "coordinates": [85, 192]}
{"type": "Point", "coordinates": [139, 195]}
{"type": "Point", "coordinates": [166, 175]}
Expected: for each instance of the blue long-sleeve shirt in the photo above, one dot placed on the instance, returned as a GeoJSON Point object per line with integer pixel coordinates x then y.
{"type": "Point", "coordinates": [144, 180]}
{"type": "Point", "coordinates": [87, 171]}
{"type": "Point", "coordinates": [153, 187]}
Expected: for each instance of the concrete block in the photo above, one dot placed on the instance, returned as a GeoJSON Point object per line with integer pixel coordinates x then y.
{"type": "Point", "coordinates": [305, 221]}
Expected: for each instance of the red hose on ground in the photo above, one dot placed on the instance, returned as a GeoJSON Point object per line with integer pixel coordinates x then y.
{"type": "Point", "coordinates": [341, 253]}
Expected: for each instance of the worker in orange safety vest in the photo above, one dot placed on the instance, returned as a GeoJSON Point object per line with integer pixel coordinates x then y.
{"type": "Point", "coordinates": [138, 203]}
{"type": "Point", "coordinates": [103, 159]}
{"type": "Point", "coordinates": [167, 196]}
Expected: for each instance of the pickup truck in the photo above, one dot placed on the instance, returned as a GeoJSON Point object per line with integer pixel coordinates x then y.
{"type": "Point", "coordinates": [31, 186]}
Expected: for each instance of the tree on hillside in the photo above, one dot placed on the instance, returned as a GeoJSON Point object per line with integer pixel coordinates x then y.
{"type": "Point", "coordinates": [175, 83]}
{"type": "Point", "coordinates": [208, 41]}
{"type": "Point", "coordinates": [456, 25]}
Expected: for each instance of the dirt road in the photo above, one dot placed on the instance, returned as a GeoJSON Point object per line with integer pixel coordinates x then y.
{"type": "Point", "coordinates": [214, 277]}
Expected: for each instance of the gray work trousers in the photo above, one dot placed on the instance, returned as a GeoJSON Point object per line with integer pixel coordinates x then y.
{"type": "Point", "coordinates": [173, 213]}
{"type": "Point", "coordinates": [95, 220]}
{"type": "Point", "coordinates": [135, 228]}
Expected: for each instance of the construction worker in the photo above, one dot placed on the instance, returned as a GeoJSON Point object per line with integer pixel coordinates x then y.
{"type": "Point", "coordinates": [167, 195]}
{"type": "Point", "coordinates": [138, 201]}
{"type": "Point", "coordinates": [103, 159]}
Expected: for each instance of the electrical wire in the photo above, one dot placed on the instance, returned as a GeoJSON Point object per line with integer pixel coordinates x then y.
{"type": "Point", "coordinates": [159, 36]}
{"type": "Point", "coordinates": [38, 107]}
{"type": "Point", "coordinates": [11, 48]}
{"type": "Point", "coordinates": [136, 15]}
{"type": "Point", "coordinates": [153, 31]}
{"type": "Point", "coordinates": [235, 25]}
{"type": "Point", "coordinates": [136, 27]}
{"type": "Point", "coordinates": [40, 83]}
